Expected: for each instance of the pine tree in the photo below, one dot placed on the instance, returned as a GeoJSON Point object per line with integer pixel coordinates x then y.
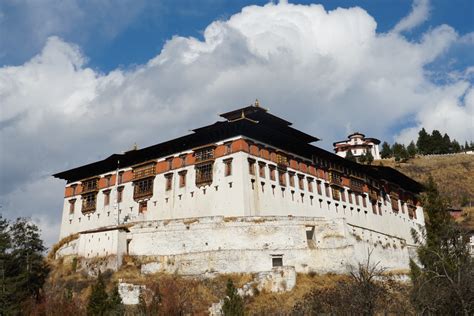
{"type": "Point", "coordinates": [362, 158]}
{"type": "Point", "coordinates": [386, 151]}
{"type": "Point", "coordinates": [466, 146]}
{"type": "Point", "coordinates": [411, 149]}
{"type": "Point", "coordinates": [443, 283]}
{"type": "Point", "coordinates": [423, 142]}
{"type": "Point", "coordinates": [5, 259]}
{"type": "Point", "coordinates": [436, 143]}
{"type": "Point", "coordinates": [115, 305]}
{"type": "Point", "coordinates": [369, 158]}
{"type": "Point", "coordinates": [446, 145]}
{"type": "Point", "coordinates": [350, 156]}
{"type": "Point", "coordinates": [455, 147]}
{"type": "Point", "coordinates": [98, 300]}
{"type": "Point", "coordinates": [397, 151]}
{"type": "Point", "coordinates": [233, 302]}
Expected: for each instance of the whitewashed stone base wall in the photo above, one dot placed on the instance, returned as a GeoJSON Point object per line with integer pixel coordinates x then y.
{"type": "Point", "coordinates": [208, 245]}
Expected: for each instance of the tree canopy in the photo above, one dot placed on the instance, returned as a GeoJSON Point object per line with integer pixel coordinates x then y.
{"type": "Point", "coordinates": [22, 264]}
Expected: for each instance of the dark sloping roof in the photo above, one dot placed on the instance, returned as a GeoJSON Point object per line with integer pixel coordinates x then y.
{"type": "Point", "coordinates": [396, 176]}
{"type": "Point", "coordinates": [255, 123]}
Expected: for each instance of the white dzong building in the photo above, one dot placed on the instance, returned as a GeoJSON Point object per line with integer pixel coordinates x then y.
{"type": "Point", "coordinates": [244, 194]}
{"type": "Point", "coordinates": [359, 145]}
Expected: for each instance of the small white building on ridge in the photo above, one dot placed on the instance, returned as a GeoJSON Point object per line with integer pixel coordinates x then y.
{"type": "Point", "coordinates": [359, 145]}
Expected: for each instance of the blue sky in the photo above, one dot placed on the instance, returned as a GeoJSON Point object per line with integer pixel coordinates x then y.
{"type": "Point", "coordinates": [82, 79]}
{"type": "Point", "coordinates": [157, 21]}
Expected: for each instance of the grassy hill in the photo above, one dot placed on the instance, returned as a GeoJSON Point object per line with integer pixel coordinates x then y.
{"type": "Point", "coordinates": [454, 175]}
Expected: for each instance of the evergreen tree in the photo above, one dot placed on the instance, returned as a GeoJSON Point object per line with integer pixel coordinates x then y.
{"type": "Point", "coordinates": [369, 158]}
{"type": "Point", "coordinates": [98, 300]}
{"type": "Point", "coordinates": [446, 145]}
{"type": "Point", "coordinates": [386, 151]}
{"type": "Point", "coordinates": [350, 156]}
{"type": "Point", "coordinates": [362, 158]}
{"type": "Point", "coordinates": [443, 283]}
{"type": "Point", "coordinates": [233, 302]}
{"type": "Point", "coordinates": [115, 304]}
{"type": "Point", "coordinates": [436, 143]}
{"type": "Point", "coordinates": [455, 147]}
{"type": "Point", "coordinates": [5, 259]}
{"type": "Point", "coordinates": [397, 151]}
{"type": "Point", "coordinates": [411, 150]}
{"type": "Point", "coordinates": [423, 142]}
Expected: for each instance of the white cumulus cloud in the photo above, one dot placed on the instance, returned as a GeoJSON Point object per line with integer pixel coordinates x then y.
{"type": "Point", "coordinates": [323, 70]}
{"type": "Point", "coordinates": [420, 13]}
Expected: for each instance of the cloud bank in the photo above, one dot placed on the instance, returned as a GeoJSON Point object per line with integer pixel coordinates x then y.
{"type": "Point", "coordinates": [329, 72]}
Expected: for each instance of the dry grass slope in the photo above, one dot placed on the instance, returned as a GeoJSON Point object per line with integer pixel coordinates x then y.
{"type": "Point", "coordinates": [454, 175]}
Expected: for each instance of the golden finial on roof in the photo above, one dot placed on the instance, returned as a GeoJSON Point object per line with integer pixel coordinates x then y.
{"type": "Point", "coordinates": [257, 104]}
{"type": "Point", "coordinates": [135, 147]}
{"type": "Point", "coordinates": [242, 115]}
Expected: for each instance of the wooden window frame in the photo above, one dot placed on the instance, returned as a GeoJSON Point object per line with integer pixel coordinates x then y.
{"type": "Point", "coordinates": [72, 206]}
{"type": "Point", "coordinates": [204, 173]}
{"type": "Point", "coordinates": [120, 194]}
{"type": "Point", "coordinates": [291, 175]}
{"type": "Point", "coordinates": [272, 170]}
{"type": "Point", "coordinates": [261, 169]}
{"type": "Point", "coordinates": [227, 167]}
{"type": "Point", "coordinates": [106, 197]}
{"type": "Point", "coordinates": [182, 178]}
{"type": "Point", "coordinates": [251, 162]}
{"type": "Point", "coordinates": [142, 207]}
{"type": "Point", "coordinates": [168, 181]}
{"type": "Point", "coordinates": [143, 188]}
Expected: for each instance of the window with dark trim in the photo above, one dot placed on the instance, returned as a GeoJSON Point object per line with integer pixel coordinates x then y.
{"type": "Point", "coordinates": [251, 166]}
{"type": "Point", "coordinates": [282, 177]}
{"type": "Point", "coordinates": [72, 203]}
{"type": "Point", "coordinates": [310, 184]}
{"type": "Point", "coordinates": [107, 180]}
{"type": "Point", "coordinates": [272, 172]}
{"type": "Point", "coordinates": [228, 147]}
{"type": "Point", "coordinates": [169, 163]}
{"type": "Point", "coordinates": [204, 173]}
{"type": "Point", "coordinates": [169, 181]}
{"type": "Point", "coordinates": [343, 195]}
{"type": "Point", "coordinates": [349, 195]}
{"type": "Point", "coordinates": [106, 197]}
{"type": "Point", "coordinates": [120, 194]}
{"type": "Point", "coordinates": [204, 154]}
{"type": "Point", "coordinates": [143, 188]}
{"type": "Point", "coordinates": [261, 169]}
{"type": "Point", "coordinates": [394, 202]}
{"type": "Point", "coordinates": [335, 194]}
{"type": "Point", "coordinates": [318, 185]}
{"type": "Point", "coordinates": [364, 200]}
{"type": "Point", "coordinates": [120, 177]}
{"type": "Point", "coordinates": [73, 187]}
{"type": "Point", "coordinates": [277, 260]}
{"type": "Point", "coordinates": [182, 178]}
{"type": "Point", "coordinates": [90, 185]}
{"type": "Point", "coordinates": [182, 160]}
{"type": "Point", "coordinates": [327, 189]}
{"type": "Point", "coordinates": [89, 202]}
{"type": "Point", "coordinates": [292, 178]}
{"type": "Point", "coordinates": [228, 167]}
{"type": "Point", "coordinates": [142, 206]}
{"type": "Point", "coordinates": [301, 181]}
